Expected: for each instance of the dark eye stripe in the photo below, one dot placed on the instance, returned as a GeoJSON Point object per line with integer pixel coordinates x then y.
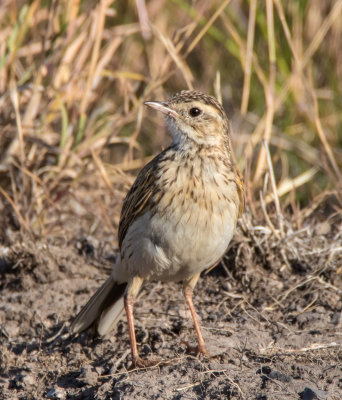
{"type": "Point", "coordinates": [194, 112]}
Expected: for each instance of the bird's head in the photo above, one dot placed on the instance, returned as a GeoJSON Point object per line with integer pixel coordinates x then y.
{"type": "Point", "coordinates": [194, 116]}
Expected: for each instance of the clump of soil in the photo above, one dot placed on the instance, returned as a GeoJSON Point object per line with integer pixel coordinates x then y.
{"type": "Point", "coordinates": [270, 313]}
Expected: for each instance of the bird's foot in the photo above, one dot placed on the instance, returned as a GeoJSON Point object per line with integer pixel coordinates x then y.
{"type": "Point", "coordinates": [139, 362]}
{"type": "Point", "coordinates": [199, 349]}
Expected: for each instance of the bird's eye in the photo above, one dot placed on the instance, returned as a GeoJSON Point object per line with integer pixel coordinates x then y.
{"type": "Point", "coordinates": [194, 112]}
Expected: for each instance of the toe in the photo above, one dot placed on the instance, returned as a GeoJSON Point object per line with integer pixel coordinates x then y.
{"type": "Point", "coordinates": [196, 349]}
{"type": "Point", "coordinates": [138, 362]}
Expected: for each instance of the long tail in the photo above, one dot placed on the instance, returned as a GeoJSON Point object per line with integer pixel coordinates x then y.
{"type": "Point", "coordinates": [103, 309]}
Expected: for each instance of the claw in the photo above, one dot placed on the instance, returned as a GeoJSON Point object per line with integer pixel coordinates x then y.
{"type": "Point", "coordinates": [196, 349]}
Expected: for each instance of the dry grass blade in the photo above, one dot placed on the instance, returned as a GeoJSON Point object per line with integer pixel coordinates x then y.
{"type": "Point", "coordinates": [176, 57]}
{"type": "Point", "coordinates": [143, 18]}
{"type": "Point", "coordinates": [286, 29]}
{"type": "Point", "coordinates": [103, 171]}
{"type": "Point", "coordinates": [218, 87]}
{"type": "Point", "coordinates": [249, 56]}
{"type": "Point", "coordinates": [13, 92]}
{"type": "Point", "coordinates": [260, 167]}
{"type": "Point", "coordinates": [200, 35]}
{"type": "Point", "coordinates": [274, 188]}
{"type": "Point", "coordinates": [21, 219]}
{"type": "Point", "coordinates": [267, 218]}
{"type": "Point", "coordinates": [322, 32]}
{"type": "Point", "coordinates": [291, 184]}
{"type": "Point", "coordinates": [323, 137]}
{"type": "Point", "coordinates": [98, 33]}
{"type": "Point", "coordinates": [313, 347]}
{"type": "Point", "coordinates": [129, 165]}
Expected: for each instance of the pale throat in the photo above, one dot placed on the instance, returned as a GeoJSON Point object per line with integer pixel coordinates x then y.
{"type": "Point", "coordinates": [188, 139]}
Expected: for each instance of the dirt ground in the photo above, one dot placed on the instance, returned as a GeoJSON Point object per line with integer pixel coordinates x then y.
{"type": "Point", "coordinates": [270, 312]}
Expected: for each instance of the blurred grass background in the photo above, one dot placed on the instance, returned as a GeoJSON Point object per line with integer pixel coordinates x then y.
{"type": "Point", "coordinates": [74, 76]}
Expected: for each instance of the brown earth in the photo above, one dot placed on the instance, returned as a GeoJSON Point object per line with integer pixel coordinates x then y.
{"type": "Point", "coordinates": [271, 317]}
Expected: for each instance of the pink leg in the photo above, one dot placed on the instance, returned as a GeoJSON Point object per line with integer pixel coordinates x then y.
{"type": "Point", "coordinates": [188, 288]}
{"type": "Point", "coordinates": [129, 299]}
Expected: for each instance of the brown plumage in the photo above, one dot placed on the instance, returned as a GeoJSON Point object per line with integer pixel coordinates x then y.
{"type": "Point", "coordinates": [178, 217]}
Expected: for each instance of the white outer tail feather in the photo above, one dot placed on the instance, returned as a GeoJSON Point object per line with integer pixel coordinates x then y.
{"type": "Point", "coordinates": [93, 310]}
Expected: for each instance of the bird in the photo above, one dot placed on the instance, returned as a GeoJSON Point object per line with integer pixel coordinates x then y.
{"type": "Point", "coordinates": [178, 217]}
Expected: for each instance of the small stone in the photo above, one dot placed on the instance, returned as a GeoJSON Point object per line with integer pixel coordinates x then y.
{"type": "Point", "coordinates": [261, 397]}
{"type": "Point", "coordinates": [56, 393]}
{"type": "Point", "coordinates": [227, 286]}
{"type": "Point", "coordinates": [29, 380]}
{"type": "Point", "coordinates": [146, 350]}
{"type": "Point", "coordinates": [307, 394]}
{"type": "Point", "coordinates": [322, 228]}
{"type": "Point", "coordinates": [279, 376]}
{"type": "Point", "coordinates": [265, 369]}
{"type": "Point", "coordinates": [12, 329]}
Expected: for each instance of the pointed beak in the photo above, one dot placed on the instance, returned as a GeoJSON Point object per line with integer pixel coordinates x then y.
{"type": "Point", "coordinates": [162, 107]}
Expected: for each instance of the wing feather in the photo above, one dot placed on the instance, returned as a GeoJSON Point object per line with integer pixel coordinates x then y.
{"type": "Point", "coordinates": [140, 197]}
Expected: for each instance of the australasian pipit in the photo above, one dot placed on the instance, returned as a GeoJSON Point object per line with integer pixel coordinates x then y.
{"type": "Point", "coordinates": [178, 217]}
